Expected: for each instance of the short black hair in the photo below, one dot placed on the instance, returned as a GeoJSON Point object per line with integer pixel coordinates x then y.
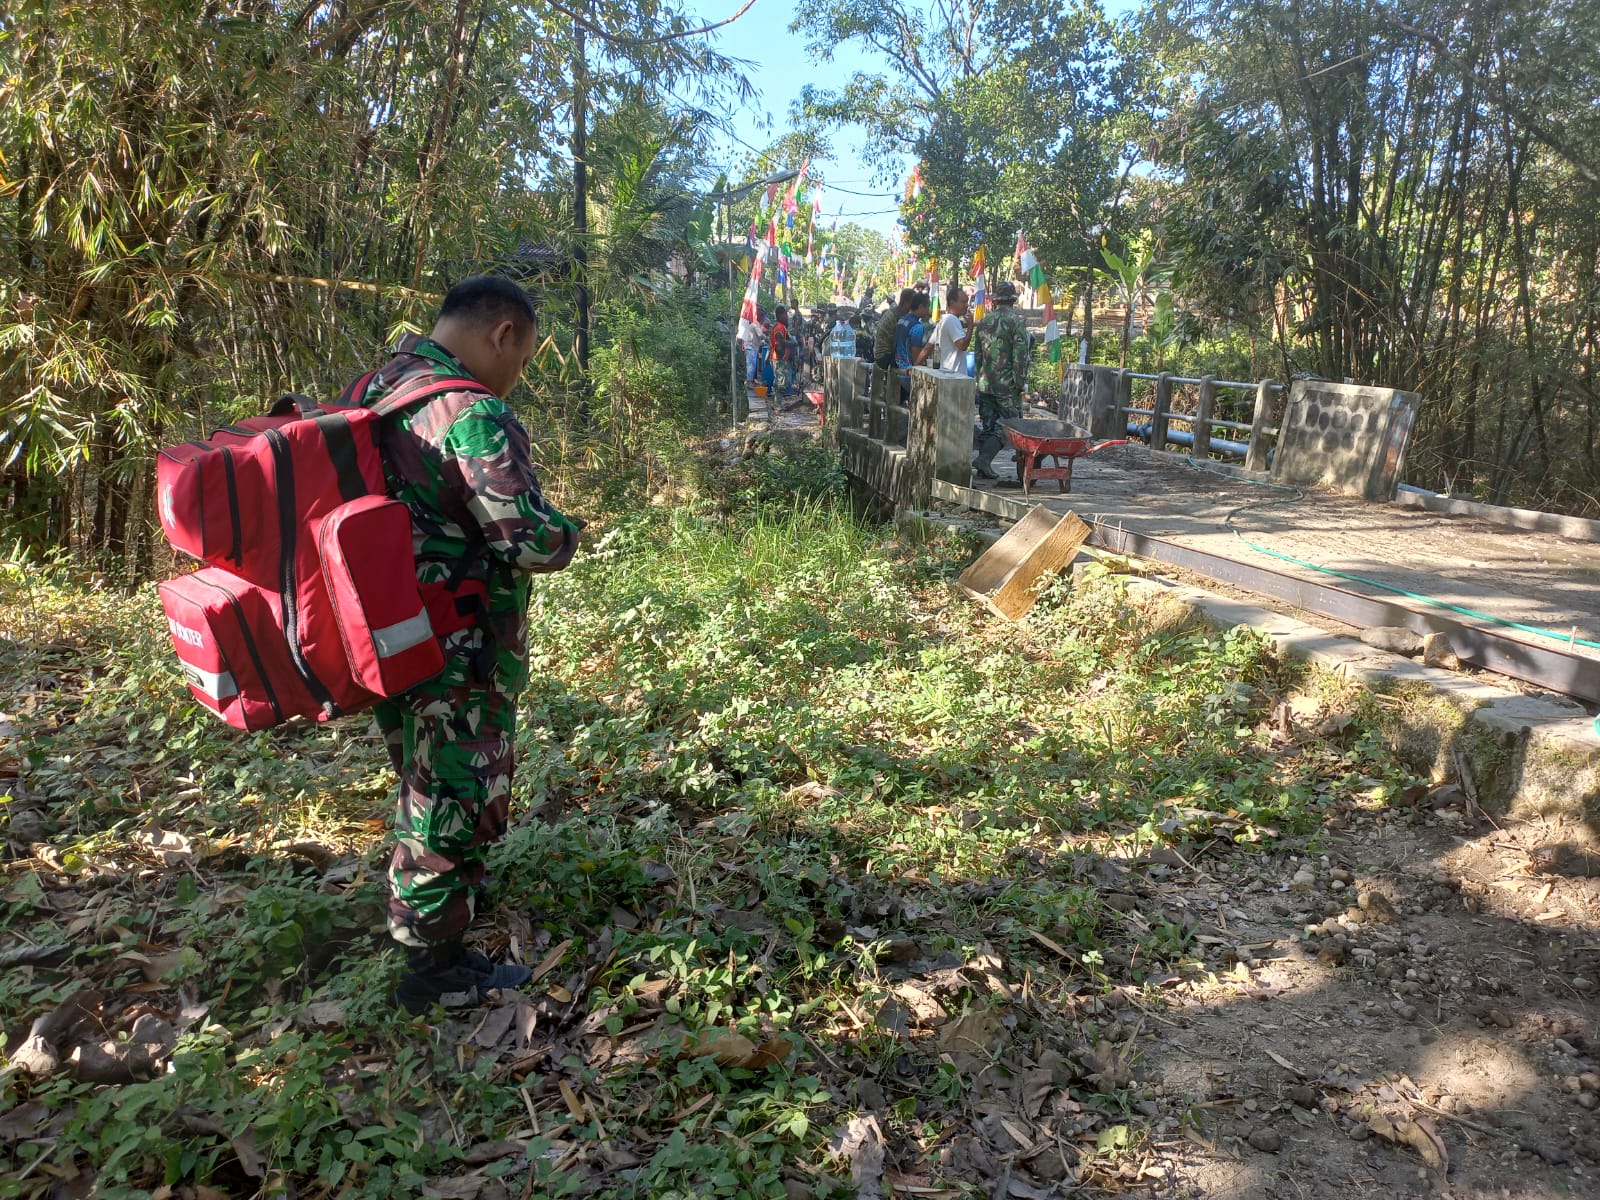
{"type": "Point", "coordinates": [487, 298]}
{"type": "Point", "coordinates": [921, 302]}
{"type": "Point", "coordinates": [781, 312]}
{"type": "Point", "coordinates": [908, 297]}
{"type": "Point", "coordinates": [953, 293]}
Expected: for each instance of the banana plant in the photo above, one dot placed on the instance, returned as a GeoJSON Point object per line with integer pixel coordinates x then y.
{"type": "Point", "coordinates": [1136, 278]}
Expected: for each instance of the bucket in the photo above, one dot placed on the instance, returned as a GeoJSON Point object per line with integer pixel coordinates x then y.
{"type": "Point", "coordinates": [760, 389]}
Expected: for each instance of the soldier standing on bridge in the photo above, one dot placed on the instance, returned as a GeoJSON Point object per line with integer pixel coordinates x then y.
{"type": "Point", "coordinates": [1000, 349]}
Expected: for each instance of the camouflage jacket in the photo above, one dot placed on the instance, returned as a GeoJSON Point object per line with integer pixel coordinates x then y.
{"type": "Point", "coordinates": [883, 335]}
{"type": "Point", "coordinates": [1000, 351]}
{"type": "Point", "coordinates": [462, 464]}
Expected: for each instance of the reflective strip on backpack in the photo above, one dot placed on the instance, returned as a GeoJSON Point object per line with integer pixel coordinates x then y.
{"type": "Point", "coordinates": [402, 635]}
{"type": "Point", "coordinates": [217, 685]}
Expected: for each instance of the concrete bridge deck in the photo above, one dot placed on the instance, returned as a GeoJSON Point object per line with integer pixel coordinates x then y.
{"type": "Point", "coordinates": [1536, 579]}
{"type": "Point", "coordinates": [1473, 578]}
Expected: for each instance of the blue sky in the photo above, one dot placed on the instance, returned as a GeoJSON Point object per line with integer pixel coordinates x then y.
{"type": "Point", "coordinates": [779, 69]}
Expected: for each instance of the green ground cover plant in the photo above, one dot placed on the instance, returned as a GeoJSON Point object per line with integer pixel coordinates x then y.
{"type": "Point", "coordinates": [799, 835]}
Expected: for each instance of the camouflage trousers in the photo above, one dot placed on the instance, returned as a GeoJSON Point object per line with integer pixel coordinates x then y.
{"type": "Point", "coordinates": [452, 748]}
{"type": "Point", "coordinates": [992, 409]}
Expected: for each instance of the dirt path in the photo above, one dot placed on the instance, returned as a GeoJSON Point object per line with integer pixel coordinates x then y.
{"type": "Point", "coordinates": [1441, 1040]}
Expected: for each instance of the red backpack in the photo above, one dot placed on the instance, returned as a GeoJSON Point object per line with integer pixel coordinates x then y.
{"type": "Point", "coordinates": [310, 606]}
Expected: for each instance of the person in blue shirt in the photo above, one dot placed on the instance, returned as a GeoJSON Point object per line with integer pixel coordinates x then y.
{"type": "Point", "coordinates": [911, 343]}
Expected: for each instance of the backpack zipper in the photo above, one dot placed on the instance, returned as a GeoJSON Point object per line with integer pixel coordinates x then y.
{"type": "Point", "coordinates": [283, 467]}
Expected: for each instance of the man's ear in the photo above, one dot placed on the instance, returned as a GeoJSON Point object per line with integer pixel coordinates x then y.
{"type": "Point", "coordinates": [504, 335]}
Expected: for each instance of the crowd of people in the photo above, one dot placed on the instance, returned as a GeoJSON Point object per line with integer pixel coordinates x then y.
{"type": "Point", "coordinates": [1000, 345]}
{"type": "Point", "coordinates": [786, 354]}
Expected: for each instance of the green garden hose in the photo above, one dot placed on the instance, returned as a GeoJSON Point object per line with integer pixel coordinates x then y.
{"type": "Point", "coordinates": [1300, 495]}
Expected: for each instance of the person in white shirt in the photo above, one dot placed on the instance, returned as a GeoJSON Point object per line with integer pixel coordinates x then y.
{"type": "Point", "coordinates": [951, 335]}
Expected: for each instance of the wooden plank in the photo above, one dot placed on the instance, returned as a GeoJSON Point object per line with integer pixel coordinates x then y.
{"type": "Point", "coordinates": [1006, 575]}
{"type": "Point", "coordinates": [992, 503]}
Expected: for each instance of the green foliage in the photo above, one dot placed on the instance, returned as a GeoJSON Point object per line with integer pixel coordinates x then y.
{"type": "Point", "coordinates": [772, 478]}
{"type": "Point", "coordinates": [662, 359]}
{"type": "Point", "coordinates": [1020, 116]}
{"type": "Point", "coordinates": [765, 747]}
{"type": "Point", "coordinates": [208, 205]}
{"type": "Point", "coordinates": [1402, 195]}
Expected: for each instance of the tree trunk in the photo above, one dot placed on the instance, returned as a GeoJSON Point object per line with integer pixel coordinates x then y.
{"type": "Point", "coordinates": [1088, 309]}
{"type": "Point", "coordinates": [580, 201]}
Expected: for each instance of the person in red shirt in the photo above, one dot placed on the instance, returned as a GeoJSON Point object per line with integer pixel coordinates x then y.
{"type": "Point", "coordinates": [782, 352]}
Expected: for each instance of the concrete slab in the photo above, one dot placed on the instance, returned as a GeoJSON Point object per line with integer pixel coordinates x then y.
{"type": "Point", "coordinates": [1532, 578]}
{"type": "Point", "coordinates": [1530, 754]}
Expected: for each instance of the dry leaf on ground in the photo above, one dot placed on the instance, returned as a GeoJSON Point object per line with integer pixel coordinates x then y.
{"type": "Point", "coordinates": [859, 1142]}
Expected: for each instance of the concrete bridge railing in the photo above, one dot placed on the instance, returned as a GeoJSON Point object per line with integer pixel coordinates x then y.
{"type": "Point", "coordinates": [894, 452]}
{"type": "Point", "coordinates": [1345, 437]}
{"type": "Point", "coordinates": [1101, 399]}
{"type": "Point", "coordinates": [1342, 436]}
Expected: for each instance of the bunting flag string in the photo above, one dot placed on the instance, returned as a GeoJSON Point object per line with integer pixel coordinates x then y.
{"type": "Point", "coordinates": [1034, 273]}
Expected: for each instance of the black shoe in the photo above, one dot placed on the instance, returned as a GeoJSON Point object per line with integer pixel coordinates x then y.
{"type": "Point", "coordinates": [486, 895]}
{"type": "Point", "coordinates": [438, 971]}
{"type": "Point", "coordinates": [983, 471]}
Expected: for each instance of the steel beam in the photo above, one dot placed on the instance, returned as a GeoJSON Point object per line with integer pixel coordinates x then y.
{"type": "Point", "coordinates": [1476, 643]}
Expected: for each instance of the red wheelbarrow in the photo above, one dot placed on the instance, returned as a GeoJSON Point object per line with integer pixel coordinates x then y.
{"type": "Point", "coordinates": [818, 403]}
{"type": "Point", "coordinates": [1036, 440]}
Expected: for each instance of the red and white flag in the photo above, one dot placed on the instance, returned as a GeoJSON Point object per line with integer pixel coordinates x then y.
{"type": "Point", "coordinates": [749, 327]}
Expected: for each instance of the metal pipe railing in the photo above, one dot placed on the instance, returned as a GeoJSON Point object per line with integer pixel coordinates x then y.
{"type": "Point", "coordinates": [1271, 430]}
{"type": "Point", "coordinates": [1256, 452]}
{"type": "Point", "coordinates": [1221, 383]}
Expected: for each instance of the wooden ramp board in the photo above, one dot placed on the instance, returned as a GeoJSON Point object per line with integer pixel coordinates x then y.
{"type": "Point", "coordinates": [1006, 575]}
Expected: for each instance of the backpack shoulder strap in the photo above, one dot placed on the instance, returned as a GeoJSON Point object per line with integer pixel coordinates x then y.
{"type": "Point", "coordinates": [356, 390]}
{"type": "Point", "coordinates": [423, 390]}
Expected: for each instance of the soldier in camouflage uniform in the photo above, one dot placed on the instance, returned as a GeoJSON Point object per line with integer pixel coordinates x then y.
{"type": "Point", "coordinates": [1000, 350]}
{"type": "Point", "coordinates": [461, 463]}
